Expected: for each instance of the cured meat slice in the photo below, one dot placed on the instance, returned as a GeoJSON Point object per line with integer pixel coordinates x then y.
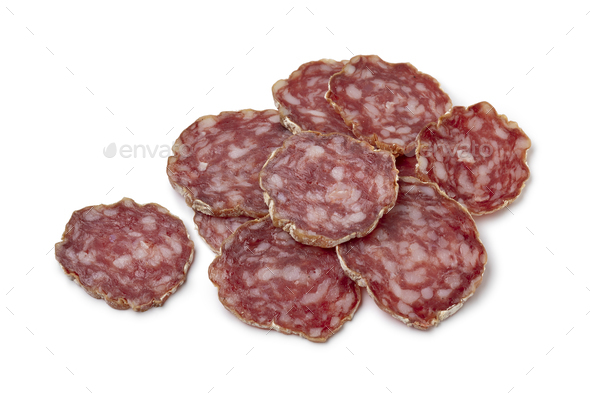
{"type": "Point", "coordinates": [406, 165]}
{"type": "Point", "coordinates": [301, 99]}
{"type": "Point", "coordinates": [217, 160]}
{"type": "Point", "coordinates": [268, 280]}
{"type": "Point", "coordinates": [214, 230]}
{"type": "Point", "coordinates": [476, 156]}
{"type": "Point", "coordinates": [130, 255]}
{"type": "Point", "coordinates": [386, 104]}
{"type": "Point", "coordinates": [325, 189]}
{"type": "Point", "coordinates": [424, 259]}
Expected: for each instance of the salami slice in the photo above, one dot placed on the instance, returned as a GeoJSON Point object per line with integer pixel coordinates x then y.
{"type": "Point", "coordinates": [476, 156]}
{"type": "Point", "coordinates": [386, 104]}
{"type": "Point", "coordinates": [301, 99]}
{"type": "Point", "coordinates": [325, 189]}
{"type": "Point", "coordinates": [424, 259]}
{"type": "Point", "coordinates": [406, 165]}
{"type": "Point", "coordinates": [270, 281]}
{"type": "Point", "coordinates": [217, 160]}
{"type": "Point", "coordinates": [130, 255]}
{"type": "Point", "coordinates": [214, 230]}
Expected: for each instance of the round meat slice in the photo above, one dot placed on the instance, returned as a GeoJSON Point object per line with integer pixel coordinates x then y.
{"type": "Point", "coordinates": [214, 230]}
{"type": "Point", "coordinates": [406, 165]}
{"type": "Point", "coordinates": [301, 99]}
{"type": "Point", "coordinates": [424, 259]}
{"type": "Point", "coordinates": [386, 104]}
{"type": "Point", "coordinates": [325, 189]}
{"type": "Point", "coordinates": [130, 255]}
{"type": "Point", "coordinates": [217, 161]}
{"type": "Point", "coordinates": [476, 156]}
{"type": "Point", "coordinates": [270, 281]}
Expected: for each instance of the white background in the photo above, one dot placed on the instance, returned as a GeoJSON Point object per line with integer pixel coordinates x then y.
{"type": "Point", "coordinates": [76, 77]}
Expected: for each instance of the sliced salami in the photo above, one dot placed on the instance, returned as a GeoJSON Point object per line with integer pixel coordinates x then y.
{"type": "Point", "coordinates": [214, 230]}
{"type": "Point", "coordinates": [301, 99]}
{"type": "Point", "coordinates": [325, 189]}
{"type": "Point", "coordinates": [270, 281]}
{"type": "Point", "coordinates": [386, 104]}
{"type": "Point", "coordinates": [406, 165]}
{"type": "Point", "coordinates": [424, 259]}
{"type": "Point", "coordinates": [130, 255]}
{"type": "Point", "coordinates": [476, 156]}
{"type": "Point", "coordinates": [217, 160]}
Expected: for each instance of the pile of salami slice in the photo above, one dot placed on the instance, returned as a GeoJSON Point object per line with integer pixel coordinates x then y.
{"type": "Point", "coordinates": [364, 176]}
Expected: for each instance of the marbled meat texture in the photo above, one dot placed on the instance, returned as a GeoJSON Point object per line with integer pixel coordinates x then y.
{"type": "Point", "coordinates": [424, 259]}
{"type": "Point", "coordinates": [325, 189]}
{"type": "Point", "coordinates": [301, 99]}
{"type": "Point", "coordinates": [406, 165]}
{"type": "Point", "coordinates": [386, 104]}
{"type": "Point", "coordinates": [476, 156]}
{"type": "Point", "coordinates": [214, 230]}
{"type": "Point", "coordinates": [270, 281]}
{"type": "Point", "coordinates": [217, 160]}
{"type": "Point", "coordinates": [132, 256]}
